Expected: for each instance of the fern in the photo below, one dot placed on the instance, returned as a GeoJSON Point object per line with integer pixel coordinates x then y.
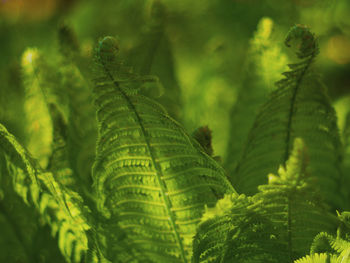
{"type": "Point", "coordinates": [52, 193]}
{"type": "Point", "coordinates": [298, 108]}
{"type": "Point", "coordinates": [46, 109]}
{"type": "Point", "coordinates": [81, 125]}
{"type": "Point", "coordinates": [317, 258]}
{"type": "Point", "coordinates": [150, 176]}
{"type": "Point", "coordinates": [58, 163]}
{"type": "Point", "coordinates": [335, 248]}
{"type": "Point", "coordinates": [61, 208]}
{"type": "Point", "coordinates": [23, 236]}
{"type": "Point", "coordinates": [258, 81]}
{"type": "Point", "coordinates": [153, 55]}
{"type": "Point", "coordinates": [82, 130]}
{"type": "Point", "coordinates": [37, 112]}
{"type": "Point", "coordinates": [342, 107]}
{"type": "Point", "coordinates": [147, 191]}
{"type": "Point", "coordinates": [277, 224]}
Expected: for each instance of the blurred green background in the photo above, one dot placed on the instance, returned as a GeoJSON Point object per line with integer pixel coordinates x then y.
{"type": "Point", "coordinates": [202, 51]}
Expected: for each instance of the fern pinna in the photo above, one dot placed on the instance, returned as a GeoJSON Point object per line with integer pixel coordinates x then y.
{"type": "Point", "coordinates": [150, 176]}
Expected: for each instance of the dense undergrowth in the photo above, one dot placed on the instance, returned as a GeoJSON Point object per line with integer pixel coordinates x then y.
{"type": "Point", "coordinates": [101, 165]}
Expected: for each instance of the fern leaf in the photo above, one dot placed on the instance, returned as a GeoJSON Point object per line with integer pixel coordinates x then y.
{"type": "Point", "coordinates": [47, 111]}
{"type": "Point", "coordinates": [231, 226]}
{"type": "Point", "coordinates": [298, 108]}
{"type": "Point", "coordinates": [335, 246]}
{"type": "Point", "coordinates": [264, 60]}
{"type": "Point", "coordinates": [154, 55]}
{"type": "Point", "coordinates": [23, 237]}
{"type": "Point", "coordinates": [58, 163]}
{"type": "Point", "coordinates": [150, 176]}
{"type": "Point", "coordinates": [277, 224]}
{"type": "Point", "coordinates": [81, 123]}
{"type": "Point", "coordinates": [342, 108]}
{"type": "Point", "coordinates": [37, 112]}
{"type": "Point", "coordinates": [61, 208]}
{"type": "Point", "coordinates": [318, 258]}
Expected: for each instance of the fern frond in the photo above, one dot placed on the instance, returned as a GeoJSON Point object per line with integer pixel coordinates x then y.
{"type": "Point", "coordinates": [321, 244]}
{"type": "Point", "coordinates": [346, 136]}
{"type": "Point", "coordinates": [60, 207]}
{"type": "Point", "coordinates": [298, 108]}
{"type": "Point", "coordinates": [23, 237]}
{"type": "Point", "coordinates": [39, 128]}
{"type": "Point", "coordinates": [47, 112]}
{"type": "Point", "coordinates": [231, 232]}
{"type": "Point", "coordinates": [335, 246]}
{"type": "Point", "coordinates": [342, 108]}
{"type": "Point", "coordinates": [58, 163]}
{"type": "Point", "coordinates": [81, 126]}
{"type": "Point", "coordinates": [154, 55]}
{"type": "Point", "coordinates": [318, 258]}
{"type": "Point", "coordinates": [264, 60]}
{"type": "Point", "coordinates": [150, 176]}
{"type": "Point", "coordinates": [277, 224]}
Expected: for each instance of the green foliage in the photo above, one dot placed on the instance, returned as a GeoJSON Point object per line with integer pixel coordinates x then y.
{"type": "Point", "coordinates": [150, 176]}
{"type": "Point", "coordinates": [298, 108]}
{"type": "Point", "coordinates": [317, 258]}
{"type": "Point", "coordinates": [275, 225]}
{"type": "Point", "coordinates": [61, 208]}
{"type": "Point", "coordinates": [105, 161]}
{"type": "Point", "coordinates": [336, 249]}
{"type": "Point", "coordinates": [262, 70]}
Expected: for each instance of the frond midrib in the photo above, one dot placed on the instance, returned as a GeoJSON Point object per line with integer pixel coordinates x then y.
{"type": "Point", "coordinates": [292, 106]}
{"type": "Point", "coordinates": [288, 143]}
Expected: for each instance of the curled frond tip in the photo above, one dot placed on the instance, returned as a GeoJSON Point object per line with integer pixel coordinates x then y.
{"type": "Point", "coordinates": [303, 40]}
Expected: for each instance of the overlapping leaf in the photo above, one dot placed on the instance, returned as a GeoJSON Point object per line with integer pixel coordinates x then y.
{"type": "Point", "coordinates": [342, 107]}
{"type": "Point", "coordinates": [154, 55]}
{"type": "Point", "coordinates": [39, 124]}
{"type": "Point", "coordinates": [317, 258]}
{"type": "Point", "coordinates": [150, 176]}
{"type": "Point", "coordinates": [265, 61]}
{"type": "Point", "coordinates": [23, 236]}
{"type": "Point", "coordinates": [82, 128]}
{"type": "Point", "coordinates": [278, 224]}
{"type": "Point", "coordinates": [298, 108]}
{"type": "Point", "coordinates": [61, 208]}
